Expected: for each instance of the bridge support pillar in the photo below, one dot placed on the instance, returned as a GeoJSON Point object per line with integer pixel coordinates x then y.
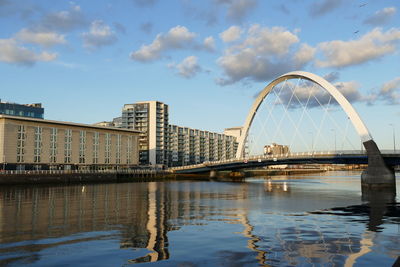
{"type": "Point", "coordinates": [377, 175]}
{"type": "Point", "coordinates": [213, 174]}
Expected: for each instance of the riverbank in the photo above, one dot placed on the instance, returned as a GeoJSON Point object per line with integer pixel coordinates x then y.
{"type": "Point", "coordinates": [74, 177]}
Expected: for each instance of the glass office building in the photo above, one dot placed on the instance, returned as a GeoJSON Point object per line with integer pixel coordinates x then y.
{"type": "Point", "coordinates": [22, 110]}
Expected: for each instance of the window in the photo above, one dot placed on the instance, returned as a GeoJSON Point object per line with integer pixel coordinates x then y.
{"type": "Point", "coordinates": [20, 143]}
{"type": "Point", "coordinates": [37, 145]}
{"type": "Point", "coordinates": [107, 156]}
{"type": "Point", "coordinates": [53, 145]}
{"type": "Point", "coordinates": [118, 154]}
{"type": "Point", "coordinates": [82, 146]}
{"type": "Point", "coordinates": [96, 137]}
{"type": "Point", "coordinates": [67, 145]}
{"type": "Point", "coordinates": [129, 150]}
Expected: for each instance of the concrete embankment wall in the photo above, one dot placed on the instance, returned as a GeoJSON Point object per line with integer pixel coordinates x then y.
{"type": "Point", "coordinates": [71, 178]}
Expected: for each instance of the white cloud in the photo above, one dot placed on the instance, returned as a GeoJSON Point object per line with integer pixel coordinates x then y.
{"type": "Point", "coordinates": [332, 76]}
{"type": "Point", "coordinates": [275, 40]}
{"type": "Point", "coordinates": [45, 39]}
{"type": "Point", "coordinates": [62, 21]}
{"type": "Point", "coordinates": [264, 54]}
{"type": "Point", "coordinates": [390, 92]}
{"type": "Point", "coordinates": [350, 91]}
{"type": "Point", "coordinates": [209, 43]}
{"type": "Point", "coordinates": [381, 17]}
{"type": "Point", "coordinates": [231, 34]}
{"type": "Point", "coordinates": [99, 35]}
{"type": "Point", "coordinates": [176, 38]}
{"type": "Point", "coordinates": [188, 68]}
{"type": "Point", "coordinates": [374, 44]}
{"type": "Point", "coordinates": [315, 96]}
{"type": "Point", "coordinates": [304, 54]}
{"type": "Point", "coordinates": [11, 52]}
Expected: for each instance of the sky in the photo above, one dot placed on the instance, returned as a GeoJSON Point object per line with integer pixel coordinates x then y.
{"type": "Point", "coordinates": [83, 60]}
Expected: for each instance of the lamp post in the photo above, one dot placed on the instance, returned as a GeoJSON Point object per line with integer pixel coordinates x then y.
{"type": "Point", "coordinates": [394, 137]}
{"type": "Point", "coordinates": [334, 135]}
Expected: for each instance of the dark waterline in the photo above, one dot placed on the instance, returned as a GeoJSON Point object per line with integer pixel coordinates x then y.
{"type": "Point", "coordinates": [279, 221]}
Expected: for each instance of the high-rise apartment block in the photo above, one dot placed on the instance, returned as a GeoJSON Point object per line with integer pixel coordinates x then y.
{"type": "Point", "coordinates": [151, 119]}
{"type": "Point", "coordinates": [162, 144]}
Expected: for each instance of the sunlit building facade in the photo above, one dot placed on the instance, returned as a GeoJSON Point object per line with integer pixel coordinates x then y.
{"type": "Point", "coordinates": [275, 149]}
{"type": "Point", "coordinates": [32, 144]}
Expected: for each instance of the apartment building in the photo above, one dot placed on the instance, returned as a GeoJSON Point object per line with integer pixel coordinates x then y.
{"type": "Point", "coordinates": [163, 144]}
{"type": "Point", "coordinates": [150, 118]}
{"type": "Point", "coordinates": [30, 143]}
{"type": "Point", "coordinates": [192, 146]}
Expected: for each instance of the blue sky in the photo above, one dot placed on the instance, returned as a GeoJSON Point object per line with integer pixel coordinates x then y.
{"type": "Point", "coordinates": [207, 59]}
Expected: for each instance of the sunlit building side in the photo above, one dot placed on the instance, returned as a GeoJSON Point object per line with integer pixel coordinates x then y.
{"type": "Point", "coordinates": [275, 149]}
{"type": "Point", "coordinates": [37, 144]}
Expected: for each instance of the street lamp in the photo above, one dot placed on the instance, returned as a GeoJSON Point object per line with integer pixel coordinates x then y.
{"type": "Point", "coordinates": [394, 137]}
{"type": "Point", "coordinates": [334, 134]}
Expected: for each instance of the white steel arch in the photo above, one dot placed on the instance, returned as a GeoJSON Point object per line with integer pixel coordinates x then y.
{"type": "Point", "coordinates": [332, 90]}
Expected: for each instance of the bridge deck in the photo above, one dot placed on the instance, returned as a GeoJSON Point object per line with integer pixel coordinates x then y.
{"type": "Point", "coordinates": [344, 157]}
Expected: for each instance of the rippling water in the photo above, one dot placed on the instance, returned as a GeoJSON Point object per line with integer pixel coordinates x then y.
{"type": "Point", "coordinates": [279, 221]}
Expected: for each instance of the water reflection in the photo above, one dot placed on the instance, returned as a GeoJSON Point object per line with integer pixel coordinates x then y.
{"type": "Point", "coordinates": [258, 222]}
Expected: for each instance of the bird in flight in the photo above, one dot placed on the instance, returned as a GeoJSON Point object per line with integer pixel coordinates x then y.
{"type": "Point", "coordinates": [363, 4]}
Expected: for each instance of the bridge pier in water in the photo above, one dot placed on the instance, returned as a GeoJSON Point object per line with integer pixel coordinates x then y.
{"type": "Point", "coordinates": [213, 174]}
{"type": "Point", "coordinates": [378, 175]}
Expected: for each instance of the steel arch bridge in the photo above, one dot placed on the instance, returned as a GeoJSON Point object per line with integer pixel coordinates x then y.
{"type": "Point", "coordinates": [377, 173]}
{"type": "Point", "coordinates": [332, 90]}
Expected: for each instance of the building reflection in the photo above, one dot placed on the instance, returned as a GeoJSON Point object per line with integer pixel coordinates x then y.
{"type": "Point", "coordinates": [276, 188]}
{"type": "Point", "coordinates": [144, 214]}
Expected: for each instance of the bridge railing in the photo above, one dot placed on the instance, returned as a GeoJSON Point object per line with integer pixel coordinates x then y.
{"type": "Point", "coordinates": [277, 157]}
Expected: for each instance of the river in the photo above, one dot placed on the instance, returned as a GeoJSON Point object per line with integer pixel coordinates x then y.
{"type": "Point", "coordinates": [262, 221]}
